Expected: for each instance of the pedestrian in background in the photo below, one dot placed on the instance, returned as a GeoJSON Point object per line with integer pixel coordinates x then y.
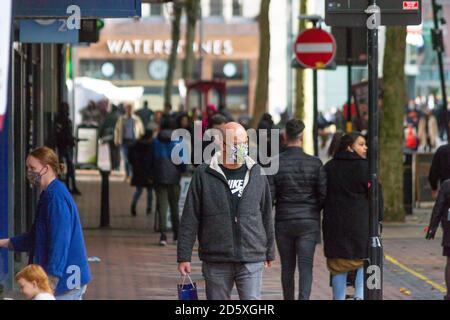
{"type": "Point", "coordinates": [229, 209]}
{"type": "Point", "coordinates": [166, 178]}
{"type": "Point", "coordinates": [55, 241]}
{"type": "Point", "coordinates": [216, 122]}
{"type": "Point", "coordinates": [441, 215]}
{"type": "Point", "coordinates": [145, 114]}
{"type": "Point", "coordinates": [106, 133]}
{"type": "Point", "coordinates": [346, 213]}
{"type": "Point", "coordinates": [129, 128]}
{"type": "Point", "coordinates": [211, 110]}
{"type": "Point", "coordinates": [34, 283]}
{"type": "Point", "coordinates": [65, 142]}
{"type": "Point", "coordinates": [428, 131]}
{"type": "Point", "coordinates": [141, 161]}
{"type": "Point", "coordinates": [440, 168]}
{"type": "Point", "coordinates": [298, 189]}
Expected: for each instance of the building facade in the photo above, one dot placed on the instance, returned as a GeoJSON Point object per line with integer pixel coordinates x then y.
{"type": "Point", "coordinates": [135, 52]}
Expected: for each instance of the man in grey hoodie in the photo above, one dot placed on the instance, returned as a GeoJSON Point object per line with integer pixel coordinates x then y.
{"type": "Point", "coordinates": [229, 208]}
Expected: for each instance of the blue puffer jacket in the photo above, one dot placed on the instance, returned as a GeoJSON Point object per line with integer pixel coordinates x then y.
{"type": "Point", "coordinates": [163, 168]}
{"type": "Point", "coordinates": [56, 240]}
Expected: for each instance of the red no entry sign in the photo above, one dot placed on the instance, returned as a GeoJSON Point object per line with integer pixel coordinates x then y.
{"type": "Point", "coordinates": [315, 48]}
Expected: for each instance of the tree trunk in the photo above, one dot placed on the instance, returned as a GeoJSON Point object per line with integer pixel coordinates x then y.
{"type": "Point", "coordinates": [391, 124]}
{"type": "Point", "coordinates": [177, 8]}
{"type": "Point", "coordinates": [300, 73]}
{"type": "Point", "coordinates": [262, 84]}
{"type": "Point", "coordinates": [192, 8]}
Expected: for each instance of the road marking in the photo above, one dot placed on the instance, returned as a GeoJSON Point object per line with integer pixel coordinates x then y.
{"type": "Point", "coordinates": [416, 274]}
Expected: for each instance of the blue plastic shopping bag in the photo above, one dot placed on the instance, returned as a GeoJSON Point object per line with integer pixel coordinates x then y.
{"type": "Point", "coordinates": [187, 291]}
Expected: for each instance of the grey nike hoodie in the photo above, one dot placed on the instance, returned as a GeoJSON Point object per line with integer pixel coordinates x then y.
{"type": "Point", "coordinates": [247, 236]}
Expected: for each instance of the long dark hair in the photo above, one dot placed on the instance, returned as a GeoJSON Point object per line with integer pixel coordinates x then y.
{"type": "Point", "coordinates": [341, 141]}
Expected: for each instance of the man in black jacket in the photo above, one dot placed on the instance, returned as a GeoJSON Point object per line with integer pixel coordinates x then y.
{"type": "Point", "coordinates": [299, 191]}
{"type": "Point", "coordinates": [441, 215]}
{"type": "Point", "coordinates": [229, 207]}
{"type": "Point", "coordinates": [440, 168]}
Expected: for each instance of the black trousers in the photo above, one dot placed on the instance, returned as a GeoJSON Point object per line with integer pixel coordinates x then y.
{"type": "Point", "coordinates": [296, 242]}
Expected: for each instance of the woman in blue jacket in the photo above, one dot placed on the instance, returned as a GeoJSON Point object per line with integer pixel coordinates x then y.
{"type": "Point", "coordinates": [55, 240]}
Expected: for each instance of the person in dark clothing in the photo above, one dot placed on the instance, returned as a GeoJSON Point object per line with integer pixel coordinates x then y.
{"type": "Point", "coordinates": [440, 168]}
{"type": "Point", "coordinates": [166, 178]}
{"type": "Point", "coordinates": [140, 159]}
{"type": "Point", "coordinates": [65, 142]}
{"type": "Point", "coordinates": [106, 133]}
{"type": "Point", "coordinates": [168, 115]}
{"type": "Point", "coordinates": [346, 213]}
{"type": "Point", "coordinates": [299, 191]}
{"type": "Point", "coordinates": [229, 208]}
{"type": "Point", "coordinates": [441, 215]}
{"type": "Point", "coordinates": [145, 114]}
{"type": "Point", "coordinates": [265, 125]}
{"type": "Point", "coordinates": [223, 110]}
{"type": "Point", "coordinates": [216, 122]}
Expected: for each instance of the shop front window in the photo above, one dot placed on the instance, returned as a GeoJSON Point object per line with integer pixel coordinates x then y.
{"type": "Point", "coordinates": [230, 70]}
{"type": "Point", "coordinates": [237, 8]}
{"type": "Point", "coordinates": [216, 8]}
{"type": "Point", "coordinates": [107, 70]}
{"type": "Point", "coordinates": [156, 10]}
{"type": "Point", "coordinates": [237, 99]}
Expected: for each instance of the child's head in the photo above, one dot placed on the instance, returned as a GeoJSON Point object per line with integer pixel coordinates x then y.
{"type": "Point", "coordinates": [33, 280]}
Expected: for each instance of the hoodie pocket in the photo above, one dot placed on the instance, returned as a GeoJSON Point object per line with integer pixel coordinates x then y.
{"type": "Point", "coordinates": [253, 234]}
{"type": "Point", "coordinates": [216, 235]}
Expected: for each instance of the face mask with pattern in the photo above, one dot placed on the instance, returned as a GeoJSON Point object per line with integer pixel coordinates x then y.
{"type": "Point", "coordinates": [34, 177]}
{"type": "Point", "coordinates": [238, 152]}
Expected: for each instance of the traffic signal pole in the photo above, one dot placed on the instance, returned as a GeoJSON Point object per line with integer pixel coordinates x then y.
{"type": "Point", "coordinates": [374, 265]}
{"type": "Point", "coordinates": [315, 115]}
{"type": "Point", "coordinates": [438, 46]}
{"type": "Point", "coordinates": [316, 23]}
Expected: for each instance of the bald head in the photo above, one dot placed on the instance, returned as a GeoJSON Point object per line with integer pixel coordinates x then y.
{"type": "Point", "coordinates": [234, 133]}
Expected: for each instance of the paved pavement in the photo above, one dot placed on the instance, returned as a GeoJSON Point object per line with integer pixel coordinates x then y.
{"type": "Point", "coordinates": [133, 266]}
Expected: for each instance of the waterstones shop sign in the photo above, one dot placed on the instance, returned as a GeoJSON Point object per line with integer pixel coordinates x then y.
{"type": "Point", "coordinates": [163, 47]}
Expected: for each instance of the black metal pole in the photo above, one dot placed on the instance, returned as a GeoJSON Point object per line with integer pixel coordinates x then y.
{"type": "Point", "coordinates": [439, 47]}
{"type": "Point", "coordinates": [104, 210]}
{"type": "Point", "coordinates": [315, 115]}
{"type": "Point", "coordinates": [349, 125]}
{"type": "Point", "coordinates": [374, 265]}
{"type": "Point", "coordinates": [315, 106]}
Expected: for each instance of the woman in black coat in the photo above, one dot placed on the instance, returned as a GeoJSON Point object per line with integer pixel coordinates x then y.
{"type": "Point", "coordinates": [346, 212]}
{"type": "Point", "coordinates": [441, 214]}
{"type": "Point", "coordinates": [140, 158]}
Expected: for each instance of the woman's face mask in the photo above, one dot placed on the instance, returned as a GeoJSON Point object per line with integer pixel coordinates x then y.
{"type": "Point", "coordinates": [35, 177]}
{"type": "Point", "coordinates": [238, 152]}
